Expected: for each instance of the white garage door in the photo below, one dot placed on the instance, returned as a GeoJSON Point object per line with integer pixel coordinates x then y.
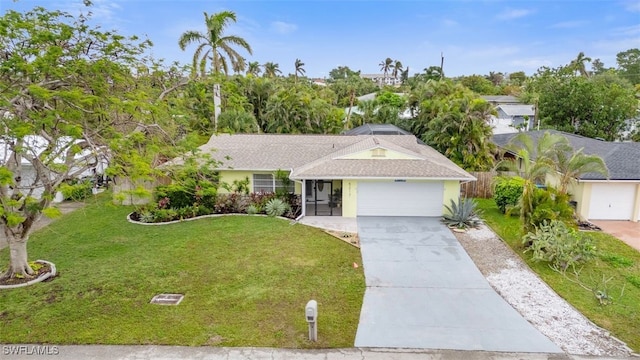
{"type": "Point", "coordinates": [400, 198]}
{"type": "Point", "coordinates": [612, 201]}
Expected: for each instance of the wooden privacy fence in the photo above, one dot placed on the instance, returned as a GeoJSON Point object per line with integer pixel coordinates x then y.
{"type": "Point", "coordinates": [481, 188]}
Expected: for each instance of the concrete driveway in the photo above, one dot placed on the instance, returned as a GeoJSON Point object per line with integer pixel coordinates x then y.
{"type": "Point", "coordinates": [424, 291]}
{"type": "Point", "coordinates": [627, 231]}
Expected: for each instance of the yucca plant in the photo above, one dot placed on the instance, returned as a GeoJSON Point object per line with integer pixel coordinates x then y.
{"type": "Point", "coordinates": [462, 214]}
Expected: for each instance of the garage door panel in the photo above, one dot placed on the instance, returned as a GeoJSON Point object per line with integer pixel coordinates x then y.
{"type": "Point", "coordinates": [611, 201]}
{"type": "Point", "coordinates": [400, 198]}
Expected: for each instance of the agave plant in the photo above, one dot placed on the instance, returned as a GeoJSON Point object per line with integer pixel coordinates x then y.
{"type": "Point", "coordinates": [276, 207]}
{"type": "Point", "coordinates": [462, 214]}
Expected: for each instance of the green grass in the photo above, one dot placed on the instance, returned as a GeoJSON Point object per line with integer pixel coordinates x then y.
{"type": "Point", "coordinates": [615, 270]}
{"type": "Point", "coordinates": [246, 281]}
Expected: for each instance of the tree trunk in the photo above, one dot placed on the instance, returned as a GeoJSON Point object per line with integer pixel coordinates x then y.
{"type": "Point", "coordinates": [18, 264]}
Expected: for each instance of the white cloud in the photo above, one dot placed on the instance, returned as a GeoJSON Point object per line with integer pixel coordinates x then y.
{"type": "Point", "coordinates": [282, 27]}
{"type": "Point", "coordinates": [569, 24]}
{"type": "Point", "coordinates": [511, 14]}
{"type": "Point", "coordinates": [633, 6]}
{"type": "Point", "coordinates": [104, 11]}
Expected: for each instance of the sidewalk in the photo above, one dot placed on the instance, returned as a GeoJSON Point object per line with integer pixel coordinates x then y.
{"type": "Point", "coordinates": [113, 352]}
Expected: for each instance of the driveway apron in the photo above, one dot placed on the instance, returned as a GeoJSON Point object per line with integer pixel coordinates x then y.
{"type": "Point", "coordinates": [424, 291]}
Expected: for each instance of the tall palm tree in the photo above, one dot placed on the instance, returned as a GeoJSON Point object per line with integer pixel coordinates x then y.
{"type": "Point", "coordinates": [385, 66]}
{"type": "Point", "coordinates": [579, 64]}
{"type": "Point", "coordinates": [299, 66]}
{"type": "Point", "coordinates": [271, 69]}
{"type": "Point", "coordinates": [397, 68]}
{"type": "Point", "coordinates": [253, 68]}
{"type": "Point", "coordinates": [213, 45]}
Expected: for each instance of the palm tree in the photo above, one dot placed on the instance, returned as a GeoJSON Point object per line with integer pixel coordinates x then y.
{"type": "Point", "coordinates": [385, 66]}
{"type": "Point", "coordinates": [397, 69]}
{"type": "Point", "coordinates": [239, 66]}
{"type": "Point", "coordinates": [253, 68]}
{"type": "Point", "coordinates": [271, 69]}
{"type": "Point", "coordinates": [572, 164]}
{"type": "Point", "coordinates": [214, 45]}
{"type": "Point", "coordinates": [299, 68]}
{"type": "Point", "coordinates": [579, 64]}
{"type": "Point", "coordinates": [535, 161]}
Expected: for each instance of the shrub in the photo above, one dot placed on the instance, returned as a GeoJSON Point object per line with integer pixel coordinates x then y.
{"type": "Point", "coordinates": [178, 196]}
{"type": "Point", "coordinates": [507, 191]}
{"type": "Point", "coordinates": [559, 245]}
{"type": "Point", "coordinates": [76, 191]}
{"type": "Point", "coordinates": [548, 205]}
{"type": "Point", "coordinates": [260, 199]}
{"type": "Point", "coordinates": [276, 207]}
{"type": "Point", "coordinates": [462, 214]}
{"type": "Point", "coordinates": [252, 209]}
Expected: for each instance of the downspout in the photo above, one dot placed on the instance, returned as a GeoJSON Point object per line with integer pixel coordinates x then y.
{"type": "Point", "coordinates": [302, 195]}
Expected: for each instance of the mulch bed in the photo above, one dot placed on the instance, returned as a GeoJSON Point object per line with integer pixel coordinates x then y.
{"type": "Point", "coordinates": [37, 273]}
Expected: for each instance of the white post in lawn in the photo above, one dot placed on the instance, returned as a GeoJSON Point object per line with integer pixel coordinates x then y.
{"type": "Point", "coordinates": [311, 312]}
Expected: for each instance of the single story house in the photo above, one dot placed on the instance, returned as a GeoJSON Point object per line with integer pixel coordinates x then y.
{"type": "Point", "coordinates": [512, 118]}
{"type": "Point", "coordinates": [342, 175]}
{"type": "Point", "coordinates": [596, 197]}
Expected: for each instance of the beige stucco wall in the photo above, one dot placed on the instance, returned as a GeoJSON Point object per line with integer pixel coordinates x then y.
{"type": "Point", "coordinates": [368, 154]}
{"type": "Point", "coordinates": [581, 194]}
{"type": "Point", "coordinates": [349, 198]}
{"type": "Point", "coordinates": [229, 176]}
{"type": "Point", "coordinates": [451, 192]}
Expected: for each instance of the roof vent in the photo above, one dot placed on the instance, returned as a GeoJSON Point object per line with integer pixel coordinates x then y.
{"type": "Point", "coordinates": [379, 153]}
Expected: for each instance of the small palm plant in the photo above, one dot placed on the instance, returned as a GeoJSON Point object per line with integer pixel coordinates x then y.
{"type": "Point", "coordinates": [462, 214]}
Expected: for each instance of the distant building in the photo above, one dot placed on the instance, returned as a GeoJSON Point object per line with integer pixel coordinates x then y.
{"type": "Point", "coordinates": [380, 79]}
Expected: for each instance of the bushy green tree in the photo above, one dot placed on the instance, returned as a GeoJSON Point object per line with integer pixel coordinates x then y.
{"type": "Point", "coordinates": [68, 96]}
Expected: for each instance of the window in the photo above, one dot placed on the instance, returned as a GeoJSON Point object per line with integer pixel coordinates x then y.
{"type": "Point", "coordinates": [266, 183]}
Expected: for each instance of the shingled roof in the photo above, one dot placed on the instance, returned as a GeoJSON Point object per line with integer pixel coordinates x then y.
{"type": "Point", "coordinates": [326, 156]}
{"type": "Point", "coordinates": [622, 158]}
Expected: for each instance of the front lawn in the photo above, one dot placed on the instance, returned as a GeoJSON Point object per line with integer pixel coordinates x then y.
{"type": "Point", "coordinates": [615, 271]}
{"type": "Point", "coordinates": [245, 279]}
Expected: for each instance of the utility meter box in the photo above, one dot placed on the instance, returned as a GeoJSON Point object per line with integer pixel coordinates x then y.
{"type": "Point", "coordinates": [311, 311]}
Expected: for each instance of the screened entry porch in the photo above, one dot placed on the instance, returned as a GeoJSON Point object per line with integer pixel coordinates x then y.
{"type": "Point", "coordinates": [323, 197]}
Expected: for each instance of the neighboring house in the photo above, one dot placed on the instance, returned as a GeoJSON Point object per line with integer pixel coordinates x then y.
{"type": "Point", "coordinates": [36, 145]}
{"type": "Point", "coordinates": [513, 118]}
{"type": "Point", "coordinates": [501, 100]}
{"type": "Point", "coordinates": [380, 79]}
{"type": "Point", "coordinates": [377, 129]}
{"type": "Point", "coordinates": [341, 175]}
{"type": "Point", "coordinates": [598, 198]}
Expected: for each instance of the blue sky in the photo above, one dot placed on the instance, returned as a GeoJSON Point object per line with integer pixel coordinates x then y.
{"type": "Point", "coordinates": [475, 36]}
